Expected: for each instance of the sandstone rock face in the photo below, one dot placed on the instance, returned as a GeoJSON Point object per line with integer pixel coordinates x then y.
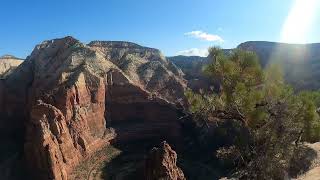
{"type": "Point", "coordinates": [146, 67]}
{"type": "Point", "coordinates": [136, 114]}
{"type": "Point", "coordinates": [8, 64]}
{"type": "Point", "coordinates": [162, 164]}
{"type": "Point", "coordinates": [67, 100]}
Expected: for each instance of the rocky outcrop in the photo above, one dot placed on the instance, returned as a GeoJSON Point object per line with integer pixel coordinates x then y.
{"type": "Point", "coordinates": [7, 65]}
{"type": "Point", "coordinates": [136, 114]}
{"type": "Point", "coordinates": [66, 96]}
{"type": "Point", "coordinates": [161, 163]}
{"type": "Point", "coordinates": [67, 100]}
{"type": "Point", "coordinates": [146, 67]}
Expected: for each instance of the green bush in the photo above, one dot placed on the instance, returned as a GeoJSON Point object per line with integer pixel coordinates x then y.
{"type": "Point", "coordinates": [276, 117]}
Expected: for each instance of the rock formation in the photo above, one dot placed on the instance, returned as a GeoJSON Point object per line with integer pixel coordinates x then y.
{"type": "Point", "coordinates": [7, 64]}
{"type": "Point", "coordinates": [161, 163]}
{"type": "Point", "coordinates": [146, 67]}
{"type": "Point", "coordinates": [192, 68]}
{"type": "Point", "coordinates": [137, 114]}
{"type": "Point", "coordinates": [68, 100]}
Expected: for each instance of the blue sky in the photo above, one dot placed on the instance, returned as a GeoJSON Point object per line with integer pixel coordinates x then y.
{"type": "Point", "coordinates": [170, 25]}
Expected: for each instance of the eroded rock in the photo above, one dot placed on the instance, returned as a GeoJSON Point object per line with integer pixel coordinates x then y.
{"type": "Point", "coordinates": [146, 67]}
{"type": "Point", "coordinates": [8, 64]}
{"type": "Point", "coordinates": [66, 97]}
{"type": "Point", "coordinates": [161, 164]}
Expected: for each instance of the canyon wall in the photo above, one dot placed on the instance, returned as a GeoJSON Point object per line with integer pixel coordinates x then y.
{"type": "Point", "coordinates": [68, 100]}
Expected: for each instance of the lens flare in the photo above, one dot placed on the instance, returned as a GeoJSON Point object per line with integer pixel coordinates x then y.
{"type": "Point", "coordinates": [299, 21]}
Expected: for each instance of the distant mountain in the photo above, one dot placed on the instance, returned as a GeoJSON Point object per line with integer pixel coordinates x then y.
{"type": "Point", "coordinates": [192, 67]}
{"type": "Point", "coordinates": [8, 64]}
{"type": "Point", "coordinates": [300, 62]}
{"type": "Point", "coordinates": [293, 53]}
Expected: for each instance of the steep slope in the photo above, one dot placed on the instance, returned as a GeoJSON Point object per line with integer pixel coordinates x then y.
{"type": "Point", "coordinates": [146, 67]}
{"type": "Point", "coordinates": [66, 101]}
{"type": "Point", "coordinates": [64, 105]}
{"type": "Point", "coordinates": [7, 64]}
{"type": "Point", "coordinates": [190, 65]}
{"type": "Point", "coordinates": [192, 68]}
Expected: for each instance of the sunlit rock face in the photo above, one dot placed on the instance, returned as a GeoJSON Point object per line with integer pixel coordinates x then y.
{"type": "Point", "coordinates": [66, 103]}
{"type": "Point", "coordinates": [69, 100]}
{"type": "Point", "coordinates": [146, 67]}
{"type": "Point", "coordinates": [7, 65]}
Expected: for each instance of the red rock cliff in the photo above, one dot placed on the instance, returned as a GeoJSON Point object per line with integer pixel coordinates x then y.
{"type": "Point", "coordinates": [70, 100]}
{"type": "Point", "coordinates": [162, 164]}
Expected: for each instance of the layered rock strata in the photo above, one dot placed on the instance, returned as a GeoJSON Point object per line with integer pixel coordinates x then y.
{"type": "Point", "coordinates": [69, 100]}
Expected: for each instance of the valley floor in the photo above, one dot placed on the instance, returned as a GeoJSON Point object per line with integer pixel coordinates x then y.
{"type": "Point", "coordinates": [126, 162]}
{"type": "Point", "coordinates": [91, 168]}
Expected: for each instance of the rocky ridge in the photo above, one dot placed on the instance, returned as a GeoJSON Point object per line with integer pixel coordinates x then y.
{"type": "Point", "coordinates": [146, 67]}
{"type": "Point", "coordinates": [7, 65]}
{"type": "Point", "coordinates": [68, 99]}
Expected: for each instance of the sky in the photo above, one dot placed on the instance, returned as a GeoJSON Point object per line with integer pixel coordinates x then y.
{"type": "Point", "coordinates": [186, 27]}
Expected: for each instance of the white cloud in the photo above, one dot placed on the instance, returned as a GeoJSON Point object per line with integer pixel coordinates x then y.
{"type": "Point", "coordinates": [204, 36]}
{"type": "Point", "coordinates": [194, 52]}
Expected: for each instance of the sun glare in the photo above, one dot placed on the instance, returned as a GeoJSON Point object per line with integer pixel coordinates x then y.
{"type": "Point", "coordinates": [299, 21]}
